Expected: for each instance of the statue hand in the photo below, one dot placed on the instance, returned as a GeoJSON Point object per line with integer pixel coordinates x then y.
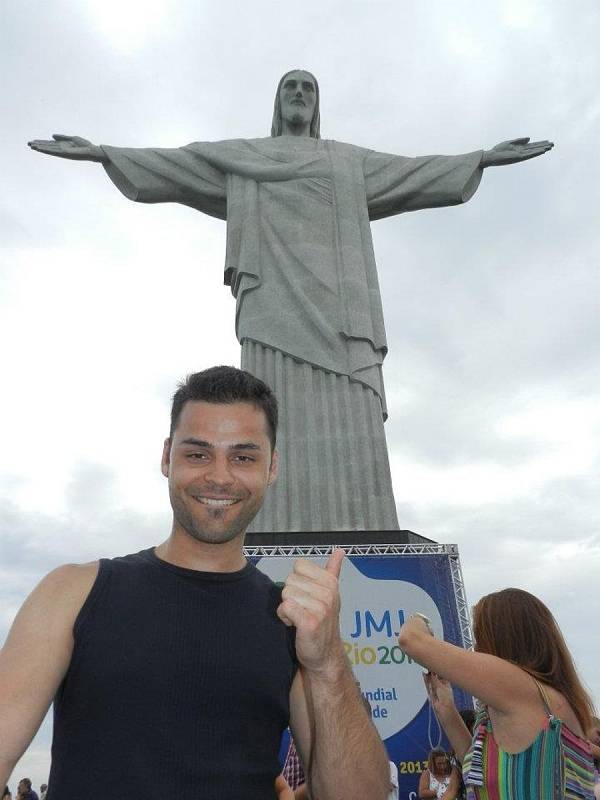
{"type": "Point", "coordinates": [74, 147]}
{"type": "Point", "coordinates": [514, 150]}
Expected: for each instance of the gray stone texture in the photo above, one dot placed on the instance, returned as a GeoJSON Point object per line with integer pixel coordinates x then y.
{"type": "Point", "coordinates": [334, 468]}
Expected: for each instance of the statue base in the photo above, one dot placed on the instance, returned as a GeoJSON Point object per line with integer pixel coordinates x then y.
{"type": "Point", "coordinates": [329, 538]}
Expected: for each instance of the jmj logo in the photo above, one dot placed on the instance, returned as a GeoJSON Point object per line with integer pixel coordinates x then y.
{"type": "Point", "coordinates": [366, 622]}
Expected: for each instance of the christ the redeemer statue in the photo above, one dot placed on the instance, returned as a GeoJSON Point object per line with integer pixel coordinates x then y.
{"type": "Point", "coordinates": [300, 264]}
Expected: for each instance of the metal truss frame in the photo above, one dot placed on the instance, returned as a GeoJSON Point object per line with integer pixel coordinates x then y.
{"type": "Point", "coordinates": [460, 597]}
{"type": "Point", "coordinates": [429, 549]}
{"type": "Point", "coordinates": [315, 550]}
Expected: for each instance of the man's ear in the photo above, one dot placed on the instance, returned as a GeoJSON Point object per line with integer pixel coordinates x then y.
{"type": "Point", "coordinates": [166, 457]}
{"type": "Point", "coordinates": [274, 468]}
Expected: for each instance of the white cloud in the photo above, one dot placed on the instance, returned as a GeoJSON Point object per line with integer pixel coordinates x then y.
{"type": "Point", "coordinates": [551, 439]}
{"type": "Point", "coordinates": [521, 14]}
{"type": "Point", "coordinates": [129, 24]}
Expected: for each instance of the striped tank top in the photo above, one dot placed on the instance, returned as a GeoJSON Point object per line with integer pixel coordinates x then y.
{"type": "Point", "coordinates": [557, 765]}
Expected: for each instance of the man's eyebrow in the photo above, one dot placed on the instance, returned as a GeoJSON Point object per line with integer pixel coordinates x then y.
{"type": "Point", "coordinates": [196, 442]}
{"type": "Point", "coordinates": [237, 446]}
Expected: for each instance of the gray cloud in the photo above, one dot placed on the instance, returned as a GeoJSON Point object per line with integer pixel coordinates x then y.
{"type": "Point", "coordinates": [92, 526]}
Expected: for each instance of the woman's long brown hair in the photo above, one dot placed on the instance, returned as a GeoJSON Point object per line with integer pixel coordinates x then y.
{"type": "Point", "coordinates": [514, 625]}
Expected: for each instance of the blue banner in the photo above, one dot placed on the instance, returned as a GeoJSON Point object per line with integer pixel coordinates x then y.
{"type": "Point", "coordinates": [378, 593]}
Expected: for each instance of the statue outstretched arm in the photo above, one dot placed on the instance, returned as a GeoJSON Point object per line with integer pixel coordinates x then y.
{"type": "Point", "coordinates": [150, 175]}
{"type": "Point", "coordinates": [395, 184]}
{"type": "Point", "coordinates": [513, 151]}
{"type": "Point", "coordinates": [73, 147]}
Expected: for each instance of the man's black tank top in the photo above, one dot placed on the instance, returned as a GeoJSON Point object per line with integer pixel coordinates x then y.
{"type": "Point", "coordinates": [178, 686]}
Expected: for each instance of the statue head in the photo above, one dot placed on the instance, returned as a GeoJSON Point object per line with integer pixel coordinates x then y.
{"type": "Point", "coordinates": [297, 96]}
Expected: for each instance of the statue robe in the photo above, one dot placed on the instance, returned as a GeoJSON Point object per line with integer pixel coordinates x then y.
{"type": "Point", "coordinates": [300, 263]}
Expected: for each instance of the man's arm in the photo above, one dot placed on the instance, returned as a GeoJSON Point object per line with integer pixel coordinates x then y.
{"type": "Point", "coordinates": [36, 656]}
{"type": "Point", "coordinates": [337, 741]}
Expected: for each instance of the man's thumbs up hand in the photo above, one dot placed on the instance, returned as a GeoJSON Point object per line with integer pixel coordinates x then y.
{"type": "Point", "coordinates": [311, 602]}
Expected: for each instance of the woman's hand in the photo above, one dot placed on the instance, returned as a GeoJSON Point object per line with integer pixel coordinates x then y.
{"type": "Point", "coordinates": [442, 701]}
{"type": "Point", "coordinates": [440, 695]}
{"type": "Point", "coordinates": [416, 624]}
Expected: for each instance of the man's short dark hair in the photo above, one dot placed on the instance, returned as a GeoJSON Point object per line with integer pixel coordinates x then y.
{"type": "Point", "coordinates": [226, 385]}
{"type": "Point", "coordinates": [27, 783]}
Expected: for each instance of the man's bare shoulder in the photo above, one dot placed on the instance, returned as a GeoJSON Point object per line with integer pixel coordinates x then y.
{"type": "Point", "coordinates": [71, 574]}
{"type": "Point", "coordinates": [46, 618]}
{"type": "Point", "coordinates": [68, 586]}
{"type": "Point", "coordinates": [37, 652]}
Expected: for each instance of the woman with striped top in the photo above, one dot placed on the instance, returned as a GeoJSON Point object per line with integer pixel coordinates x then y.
{"type": "Point", "coordinates": [530, 737]}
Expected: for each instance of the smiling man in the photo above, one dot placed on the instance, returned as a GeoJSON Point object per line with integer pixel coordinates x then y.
{"type": "Point", "coordinates": [174, 671]}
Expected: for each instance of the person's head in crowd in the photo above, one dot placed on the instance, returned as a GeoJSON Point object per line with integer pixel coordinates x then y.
{"type": "Point", "coordinates": [439, 763]}
{"type": "Point", "coordinates": [24, 788]}
{"type": "Point", "coordinates": [515, 625]}
{"type": "Point", "coordinates": [468, 717]}
{"type": "Point", "coordinates": [44, 787]}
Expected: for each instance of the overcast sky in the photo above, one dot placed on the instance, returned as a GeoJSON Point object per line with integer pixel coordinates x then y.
{"type": "Point", "coordinates": [491, 308]}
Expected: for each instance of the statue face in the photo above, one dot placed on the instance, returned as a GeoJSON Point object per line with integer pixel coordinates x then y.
{"type": "Point", "coordinates": [298, 96]}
